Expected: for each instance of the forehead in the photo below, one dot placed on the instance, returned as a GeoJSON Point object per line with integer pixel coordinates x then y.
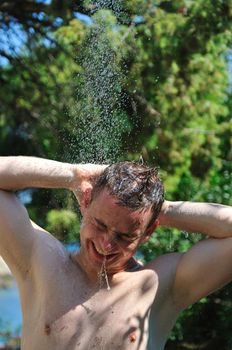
{"type": "Point", "coordinates": [105, 207]}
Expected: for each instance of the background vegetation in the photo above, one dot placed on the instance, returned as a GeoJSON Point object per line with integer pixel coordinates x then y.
{"type": "Point", "coordinates": [108, 80]}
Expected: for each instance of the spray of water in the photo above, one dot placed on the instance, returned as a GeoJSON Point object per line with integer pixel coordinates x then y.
{"type": "Point", "coordinates": [116, 6]}
{"type": "Point", "coordinates": [98, 117]}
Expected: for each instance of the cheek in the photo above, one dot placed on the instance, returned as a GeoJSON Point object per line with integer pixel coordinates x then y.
{"type": "Point", "coordinates": [133, 247]}
{"type": "Point", "coordinates": [128, 248]}
{"type": "Point", "coordinates": [87, 229]}
{"type": "Point", "coordinates": [85, 222]}
{"type": "Point", "coordinates": [84, 230]}
{"type": "Point", "coordinates": [82, 225]}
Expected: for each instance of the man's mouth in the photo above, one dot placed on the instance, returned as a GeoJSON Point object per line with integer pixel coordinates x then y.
{"type": "Point", "coordinates": [99, 250]}
{"type": "Point", "coordinates": [101, 253]}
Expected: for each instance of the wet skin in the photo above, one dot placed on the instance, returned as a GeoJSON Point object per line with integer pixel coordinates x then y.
{"type": "Point", "coordinates": [63, 306]}
{"type": "Point", "coordinates": [112, 232]}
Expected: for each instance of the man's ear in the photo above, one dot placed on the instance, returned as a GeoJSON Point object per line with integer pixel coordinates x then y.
{"type": "Point", "coordinates": [151, 228]}
{"type": "Point", "coordinates": [85, 199]}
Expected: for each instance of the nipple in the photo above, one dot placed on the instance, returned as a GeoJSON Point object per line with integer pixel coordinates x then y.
{"type": "Point", "coordinates": [132, 337]}
{"type": "Point", "coordinates": [47, 329]}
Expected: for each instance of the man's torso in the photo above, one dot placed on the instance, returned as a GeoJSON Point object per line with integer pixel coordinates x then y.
{"type": "Point", "coordinates": [63, 310]}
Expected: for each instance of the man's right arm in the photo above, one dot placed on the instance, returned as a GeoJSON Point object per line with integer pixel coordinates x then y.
{"type": "Point", "coordinates": [27, 172]}
{"type": "Point", "coordinates": [17, 232]}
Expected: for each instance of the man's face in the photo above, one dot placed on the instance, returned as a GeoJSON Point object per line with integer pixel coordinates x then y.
{"type": "Point", "coordinates": [111, 232]}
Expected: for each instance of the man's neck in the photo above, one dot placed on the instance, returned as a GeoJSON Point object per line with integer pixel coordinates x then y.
{"type": "Point", "coordinates": [95, 275]}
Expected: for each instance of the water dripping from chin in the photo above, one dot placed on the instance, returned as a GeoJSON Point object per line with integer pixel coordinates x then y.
{"type": "Point", "coordinates": [103, 277]}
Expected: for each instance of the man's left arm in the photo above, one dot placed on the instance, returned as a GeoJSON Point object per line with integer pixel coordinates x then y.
{"type": "Point", "coordinates": [207, 265]}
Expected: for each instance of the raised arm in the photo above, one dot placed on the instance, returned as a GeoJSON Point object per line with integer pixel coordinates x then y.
{"type": "Point", "coordinates": [214, 220]}
{"type": "Point", "coordinates": [207, 265]}
{"type": "Point", "coordinates": [17, 233]}
{"type": "Point", "coordinates": [27, 172]}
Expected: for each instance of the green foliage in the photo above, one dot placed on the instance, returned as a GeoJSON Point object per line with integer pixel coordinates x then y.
{"type": "Point", "coordinates": [63, 224]}
{"type": "Point", "coordinates": [165, 240]}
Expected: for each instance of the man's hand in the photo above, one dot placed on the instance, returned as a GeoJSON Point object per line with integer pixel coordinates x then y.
{"type": "Point", "coordinates": [85, 176]}
{"type": "Point", "coordinates": [30, 172]}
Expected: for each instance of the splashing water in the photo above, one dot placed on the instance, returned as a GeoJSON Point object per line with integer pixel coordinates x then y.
{"type": "Point", "coordinates": [103, 275]}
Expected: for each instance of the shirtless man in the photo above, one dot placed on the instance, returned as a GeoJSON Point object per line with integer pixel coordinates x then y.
{"type": "Point", "coordinates": [66, 305]}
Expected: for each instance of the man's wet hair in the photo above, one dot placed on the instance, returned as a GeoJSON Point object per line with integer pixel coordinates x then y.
{"type": "Point", "coordinates": [134, 186]}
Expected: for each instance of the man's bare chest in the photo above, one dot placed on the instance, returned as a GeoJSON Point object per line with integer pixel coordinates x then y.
{"type": "Point", "coordinates": [80, 318]}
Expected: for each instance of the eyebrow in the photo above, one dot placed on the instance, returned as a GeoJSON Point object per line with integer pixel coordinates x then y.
{"type": "Point", "coordinates": [117, 232]}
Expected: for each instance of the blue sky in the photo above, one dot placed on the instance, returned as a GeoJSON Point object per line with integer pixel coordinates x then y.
{"type": "Point", "coordinates": [12, 39]}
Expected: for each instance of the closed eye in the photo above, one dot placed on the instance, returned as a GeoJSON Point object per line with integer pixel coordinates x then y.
{"type": "Point", "coordinates": [126, 237]}
{"type": "Point", "coordinates": [99, 224]}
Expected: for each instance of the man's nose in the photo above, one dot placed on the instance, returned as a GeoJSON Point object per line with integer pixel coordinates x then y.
{"type": "Point", "coordinates": [107, 246]}
{"type": "Point", "coordinates": [107, 242]}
